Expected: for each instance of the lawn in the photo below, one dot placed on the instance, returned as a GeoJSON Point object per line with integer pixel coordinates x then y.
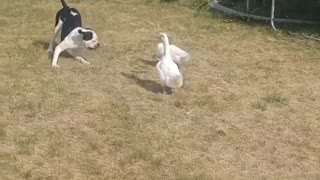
{"type": "Point", "coordinates": [249, 108]}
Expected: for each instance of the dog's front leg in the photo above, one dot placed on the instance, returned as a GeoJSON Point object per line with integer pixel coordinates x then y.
{"type": "Point", "coordinates": [77, 54]}
{"type": "Point", "coordinates": [82, 60]}
{"type": "Point", "coordinates": [56, 54]}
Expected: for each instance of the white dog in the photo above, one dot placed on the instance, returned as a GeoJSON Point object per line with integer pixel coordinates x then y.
{"type": "Point", "coordinates": [73, 36]}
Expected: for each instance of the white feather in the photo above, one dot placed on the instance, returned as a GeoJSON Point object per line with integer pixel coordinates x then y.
{"type": "Point", "coordinates": [169, 72]}
{"type": "Point", "coordinates": [178, 55]}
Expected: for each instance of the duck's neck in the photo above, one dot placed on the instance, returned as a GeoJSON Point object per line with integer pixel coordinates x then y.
{"type": "Point", "coordinates": [165, 42]}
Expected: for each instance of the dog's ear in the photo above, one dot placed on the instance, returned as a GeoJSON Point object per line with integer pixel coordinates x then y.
{"type": "Point", "coordinates": [86, 35]}
{"type": "Point", "coordinates": [80, 31]}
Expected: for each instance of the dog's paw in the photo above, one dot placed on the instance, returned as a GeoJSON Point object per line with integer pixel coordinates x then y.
{"type": "Point", "coordinates": [55, 66]}
{"type": "Point", "coordinates": [86, 62]}
{"type": "Point", "coordinates": [82, 60]}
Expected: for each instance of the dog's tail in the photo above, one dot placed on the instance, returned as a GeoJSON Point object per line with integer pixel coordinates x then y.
{"type": "Point", "coordinates": [64, 4]}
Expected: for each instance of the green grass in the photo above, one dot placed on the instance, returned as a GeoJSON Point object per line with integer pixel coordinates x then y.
{"type": "Point", "coordinates": [271, 99]}
{"type": "Point", "coordinates": [276, 99]}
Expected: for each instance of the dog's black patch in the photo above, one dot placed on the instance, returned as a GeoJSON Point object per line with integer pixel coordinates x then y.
{"type": "Point", "coordinates": [87, 36]}
{"type": "Point", "coordinates": [71, 19]}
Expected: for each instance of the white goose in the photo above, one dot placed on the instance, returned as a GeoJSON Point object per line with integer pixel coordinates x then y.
{"type": "Point", "coordinates": [169, 73]}
{"type": "Point", "coordinates": [179, 56]}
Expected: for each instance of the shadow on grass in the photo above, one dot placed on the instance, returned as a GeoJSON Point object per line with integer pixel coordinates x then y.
{"type": "Point", "coordinates": [40, 44]}
{"type": "Point", "coordinates": [149, 62]}
{"type": "Point", "coordinates": [148, 85]}
{"type": "Point", "coordinates": [44, 46]}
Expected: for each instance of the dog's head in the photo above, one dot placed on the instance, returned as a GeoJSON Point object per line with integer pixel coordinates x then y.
{"type": "Point", "coordinates": [89, 38]}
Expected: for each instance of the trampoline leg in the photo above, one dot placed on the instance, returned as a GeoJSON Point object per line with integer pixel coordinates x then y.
{"type": "Point", "coordinates": [272, 15]}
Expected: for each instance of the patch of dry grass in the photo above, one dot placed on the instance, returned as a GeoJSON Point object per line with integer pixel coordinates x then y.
{"type": "Point", "coordinates": [107, 120]}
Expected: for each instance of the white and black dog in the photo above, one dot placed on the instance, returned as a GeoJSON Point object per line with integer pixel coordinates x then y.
{"type": "Point", "coordinates": [73, 36]}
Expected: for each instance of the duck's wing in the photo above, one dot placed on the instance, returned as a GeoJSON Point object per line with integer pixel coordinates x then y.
{"type": "Point", "coordinates": [179, 55]}
{"type": "Point", "coordinates": [174, 78]}
{"type": "Point", "coordinates": [170, 69]}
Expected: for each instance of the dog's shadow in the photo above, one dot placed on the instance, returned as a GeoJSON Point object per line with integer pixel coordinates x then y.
{"type": "Point", "coordinates": [44, 45]}
{"type": "Point", "coordinates": [148, 85]}
{"type": "Point", "coordinates": [41, 44]}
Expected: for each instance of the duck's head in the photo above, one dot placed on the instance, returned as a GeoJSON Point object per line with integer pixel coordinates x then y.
{"type": "Point", "coordinates": [163, 37]}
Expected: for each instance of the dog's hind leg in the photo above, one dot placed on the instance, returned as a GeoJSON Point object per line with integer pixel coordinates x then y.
{"type": "Point", "coordinates": [57, 29]}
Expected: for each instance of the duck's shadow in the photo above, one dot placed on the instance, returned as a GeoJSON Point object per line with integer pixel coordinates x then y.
{"type": "Point", "coordinates": [149, 62]}
{"type": "Point", "coordinates": [148, 85]}
{"type": "Point", "coordinates": [44, 46]}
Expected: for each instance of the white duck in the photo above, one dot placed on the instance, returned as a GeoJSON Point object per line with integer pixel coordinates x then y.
{"type": "Point", "coordinates": [169, 73]}
{"type": "Point", "coordinates": [179, 56]}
